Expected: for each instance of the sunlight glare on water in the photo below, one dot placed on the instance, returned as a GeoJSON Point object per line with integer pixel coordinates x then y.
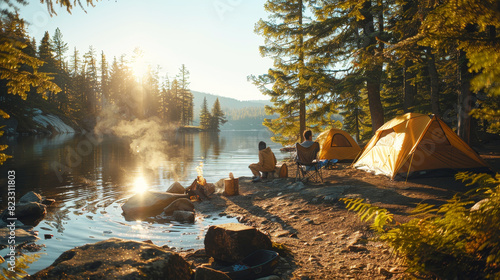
{"type": "Point", "coordinates": [90, 195]}
{"type": "Point", "coordinates": [140, 185]}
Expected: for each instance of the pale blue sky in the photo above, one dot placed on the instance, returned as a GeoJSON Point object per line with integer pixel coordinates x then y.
{"type": "Point", "coordinates": [215, 39]}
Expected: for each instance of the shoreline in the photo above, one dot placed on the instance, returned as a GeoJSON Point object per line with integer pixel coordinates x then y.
{"type": "Point", "coordinates": [324, 240]}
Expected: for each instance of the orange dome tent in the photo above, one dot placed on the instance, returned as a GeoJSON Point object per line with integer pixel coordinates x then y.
{"type": "Point", "coordinates": [415, 144]}
{"type": "Point", "coordinates": [337, 144]}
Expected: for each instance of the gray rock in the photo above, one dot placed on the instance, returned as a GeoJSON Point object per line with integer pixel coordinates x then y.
{"type": "Point", "coordinates": [176, 188]}
{"type": "Point", "coordinates": [232, 242]}
{"type": "Point", "coordinates": [148, 204]}
{"type": "Point", "coordinates": [117, 259]}
{"type": "Point", "coordinates": [182, 204]}
{"type": "Point", "coordinates": [30, 197]}
{"type": "Point", "coordinates": [30, 213]}
{"type": "Point", "coordinates": [183, 216]}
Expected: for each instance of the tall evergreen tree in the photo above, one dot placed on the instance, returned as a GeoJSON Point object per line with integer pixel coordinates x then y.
{"type": "Point", "coordinates": [47, 56]}
{"type": "Point", "coordinates": [92, 95]}
{"type": "Point", "coordinates": [104, 80]}
{"type": "Point", "coordinates": [205, 116]}
{"type": "Point", "coordinates": [59, 47]}
{"type": "Point", "coordinates": [284, 39]}
{"type": "Point", "coordinates": [218, 117]}
{"type": "Point", "coordinates": [186, 97]}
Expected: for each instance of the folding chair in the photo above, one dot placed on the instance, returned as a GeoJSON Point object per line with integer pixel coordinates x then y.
{"type": "Point", "coordinates": [307, 165]}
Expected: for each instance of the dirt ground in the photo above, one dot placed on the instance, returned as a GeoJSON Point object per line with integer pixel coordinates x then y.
{"type": "Point", "coordinates": [326, 241]}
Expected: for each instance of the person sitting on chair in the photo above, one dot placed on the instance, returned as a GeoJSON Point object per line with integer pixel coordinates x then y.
{"type": "Point", "coordinates": [308, 136]}
{"type": "Point", "coordinates": [267, 162]}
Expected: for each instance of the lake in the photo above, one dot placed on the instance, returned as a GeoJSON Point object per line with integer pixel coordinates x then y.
{"type": "Point", "coordinates": [90, 177]}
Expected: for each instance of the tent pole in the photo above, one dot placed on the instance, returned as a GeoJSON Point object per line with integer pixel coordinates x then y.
{"type": "Point", "coordinates": [409, 167]}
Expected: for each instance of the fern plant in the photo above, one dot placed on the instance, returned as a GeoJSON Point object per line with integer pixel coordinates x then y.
{"type": "Point", "coordinates": [19, 271]}
{"type": "Point", "coordinates": [453, 241]}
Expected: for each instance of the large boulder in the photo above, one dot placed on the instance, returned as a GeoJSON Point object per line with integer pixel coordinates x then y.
{"type": "Point", "coordinates": [117, 259]}
{"type": "Point", "coordinates": [29, 210]}
{"type": "Point", "coordinates": [176, 188]}
{"type": "Point", "coordinates": [148, 204]}
{"type": "Point", "coordinates": [182, 204]}
{"type": "Point", "coordinates": [31, 213]}
{"type": "Point", "coordinates": [232, 242]}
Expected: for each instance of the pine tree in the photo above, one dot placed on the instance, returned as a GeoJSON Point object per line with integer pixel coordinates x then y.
{"type": "Point", "coordinates": [59, 47]}
{"type": "Point", "coordinates": [186, 97]}
{"type": "Point", "coordinates": [92, 94]}
{"type": "Point", "coordinates": [47, 56]}
{"type": "Point", "coordinates": [174, 103]}
{"type": "Point", "coordinates": [284, 39]}
{"type": "Point", "coordinates": [104, 78]}
{"type": "Point", "coordinates": [205, 116]}
{"type": "Point", "coordinates": [218, 117]}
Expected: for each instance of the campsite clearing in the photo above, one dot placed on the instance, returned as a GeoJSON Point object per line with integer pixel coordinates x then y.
{"type": "Point", "coordinates": [325, 240]}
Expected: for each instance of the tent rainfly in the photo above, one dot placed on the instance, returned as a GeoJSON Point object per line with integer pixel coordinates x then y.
{"type": "Point", "coordinates": [337, 144]}
{"type": "Point", "coordinates": [415, 144]}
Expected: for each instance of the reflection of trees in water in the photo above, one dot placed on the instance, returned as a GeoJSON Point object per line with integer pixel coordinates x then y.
{"type": "Point", "coordinates": [211, 139]}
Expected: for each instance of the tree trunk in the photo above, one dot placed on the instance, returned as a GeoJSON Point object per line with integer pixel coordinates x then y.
{"type": "Point", "coordinates": [302, 94]}
{"type": "Point", "coordinates": [374, 68]}
{"type": "Point", "coordinates": [464, 99]}
{"type": "Point", "coordinates": [434, 80]}
{"type": "Point", "coordinates": [374, 101]}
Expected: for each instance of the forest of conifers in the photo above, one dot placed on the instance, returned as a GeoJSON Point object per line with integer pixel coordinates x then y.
{"type": "Point", "coordinates": [368, 61]}
{"type": "Point", "coordinates": [373, 60]}
{"type": "Point", "coordinates": [86, 83]}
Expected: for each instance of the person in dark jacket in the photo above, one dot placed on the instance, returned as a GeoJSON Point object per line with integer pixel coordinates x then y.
{"type": "Point", "coordinates": [267, 162]}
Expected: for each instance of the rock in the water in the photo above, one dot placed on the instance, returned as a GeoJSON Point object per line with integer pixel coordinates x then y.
{"type": "Point", "coordinates": [206, 273]}
{"type": "Point", "coordinates": [30, 213]}
{"type": "Point", "coordinates": [21, 235]}
{"type": "Point", "coordinates": [176, 188]}
{"type": "Point", "coordinates": [148, 204]}
{"type": "Point", "coordinates": [117, 259]}
{"type": "Point", "coordinates": [30, 197]}
{"type": "Point", "coordinates": [232, 242]}
{"type": "Point", "coordinates": [182, 204]}
{"type": "Point", "coordinates": [183, 216]}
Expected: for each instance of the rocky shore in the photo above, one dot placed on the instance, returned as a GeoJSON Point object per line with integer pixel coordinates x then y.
{"type": "Point", "coordinates": [315, 236]}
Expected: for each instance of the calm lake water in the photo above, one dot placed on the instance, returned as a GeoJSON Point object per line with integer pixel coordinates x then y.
{"type": "Point", "coordinates": [91, 178]}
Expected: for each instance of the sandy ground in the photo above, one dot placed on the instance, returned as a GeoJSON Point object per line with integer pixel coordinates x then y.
{"type": "Point", "coordinates": [325, 241]}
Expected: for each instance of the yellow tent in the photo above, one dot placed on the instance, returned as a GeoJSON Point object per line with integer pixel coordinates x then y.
{"type": "Point", "coordinates": [415, 144]}
{"type": "Point", "coordinates": [337, 144]}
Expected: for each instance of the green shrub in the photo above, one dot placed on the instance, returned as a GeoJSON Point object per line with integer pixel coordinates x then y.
{"type": "Point", "coordinates": [453, 241]}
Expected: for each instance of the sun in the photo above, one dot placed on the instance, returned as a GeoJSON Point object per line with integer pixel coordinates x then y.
{"type": "Point", "coordinates": [140, 185]}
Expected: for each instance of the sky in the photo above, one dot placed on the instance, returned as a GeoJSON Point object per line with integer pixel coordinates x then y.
{"type": "Point", "coordinates": [214, 39]}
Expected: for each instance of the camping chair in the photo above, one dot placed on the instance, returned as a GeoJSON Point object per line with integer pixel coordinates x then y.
{"type": "Point", "coordinates": [307, 165]}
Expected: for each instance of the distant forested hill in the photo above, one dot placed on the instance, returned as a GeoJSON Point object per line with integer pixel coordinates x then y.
{"type": "Point", "coordinates": [240, 114]}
